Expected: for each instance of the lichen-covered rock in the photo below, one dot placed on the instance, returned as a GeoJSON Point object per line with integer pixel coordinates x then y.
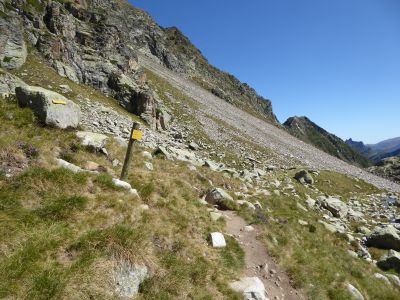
{"type": "Point", "coordinates": [386, 237]}
{"type": "Point", "coordinates": [50, 107]}
{"type": "Point", "coordinates": [390, 261]}
{"type": "Point", "coordinates": [338, 208]}
{"type": "Point", "coordinates": [304, 177]}
{"type": "Point", "coordinates": [93, 140]}
{"type": "Point", "coordinates": [218, 196]}
{"type": "Point", "coordinates": [128, 277]}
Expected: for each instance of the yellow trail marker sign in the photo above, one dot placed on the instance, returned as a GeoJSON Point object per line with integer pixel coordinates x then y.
{"type": "Point", "coordinates": [59, 102]}
{"type": "Point", "coordinates": [137, 135]}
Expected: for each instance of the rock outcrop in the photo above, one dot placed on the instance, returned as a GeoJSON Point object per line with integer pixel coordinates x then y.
{"type": "Point", "coordinates": [13, 50]}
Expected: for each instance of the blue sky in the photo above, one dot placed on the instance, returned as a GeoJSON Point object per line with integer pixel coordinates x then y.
{"type": "Point", "coordinates": [337, 62]}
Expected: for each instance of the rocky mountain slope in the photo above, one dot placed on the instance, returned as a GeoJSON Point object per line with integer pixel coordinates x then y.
{"type": "Point", "coordinates": [96, 43]}
{"type": "Point", "coordinates": [378, 151]}
{"type": "Point", "coordinates": [388, 167]}
{"type": "Point", "coordinates": [309, 132]}
{"type": "Point", "coordinates": [218, 203]}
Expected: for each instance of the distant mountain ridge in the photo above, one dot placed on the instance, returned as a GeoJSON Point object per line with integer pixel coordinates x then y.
{"type": "Point", "coordinates": [309, 132]}
{"type": "Point", "coordinates": [378, 151]}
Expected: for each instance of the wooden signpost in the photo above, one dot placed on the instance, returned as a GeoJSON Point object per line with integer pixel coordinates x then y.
{"type": "Point", "coordinates": [136, 135]}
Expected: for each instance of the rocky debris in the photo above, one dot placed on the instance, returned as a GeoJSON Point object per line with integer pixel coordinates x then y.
{"type": "Point", "coordinates": [354, 292]}
{"type": "Point", "coordinates": [128, 277]}
{"type": "Point", "coordinates": [219, 197]}
{"type": "Point", "coordinates": [252, 288]}
{"type": "Point", "coordinates": [65, 71]}
{"type": "Point", "coordinates": [50, 107]}
{"type": "Point", "coordinates": [386, 237]}
{"type": "Point", "coordinates": [193, 146]}
{"type": "Point", "coordinates": [390, 260]}
{"type": "Point", "coordinates": [8, 83]}
{"type": "Point", "coordinates": [388, 167]}
{"type": "Point", "coordinates": [217, 240]}
{"type": "Point", "coordinates": [13, 49]}
{"type": "Point", "coordinates": [288, 151]}
{"type": "Point", "coordinates": [338, 208]}
{"type": "Point", "coordinates": [96, 141]}
{"type": "Point", "coordinates": [304, 177]}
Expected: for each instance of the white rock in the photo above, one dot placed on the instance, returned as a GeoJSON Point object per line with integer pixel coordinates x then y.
{"type": "Point", "coordinates": [394, 278]}
{"type": "Point", "coordinates": [147, 155]}
{"type": "Point", "coordinates": [218, 240]}
{"type": "Point", "coordinates": [122, 184]}
{"type": "Point", "coordinates": [354, 292]}
{"type": "Point", "coordinates": [248, 228]}
{"type": "Point", "coordinates": [148, 166]}
{"type": "Point", "coordinates": [134, 192]}
{"type": "Point", "coordinates": [66, 165]}
{"type": "Point", "coordinates": [252, 288]}
{"type": "Point", "coordinates": [382, 277]}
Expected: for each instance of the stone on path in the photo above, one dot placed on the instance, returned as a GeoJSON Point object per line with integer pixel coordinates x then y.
{"type": "Point", "coordinates": [252, 288]}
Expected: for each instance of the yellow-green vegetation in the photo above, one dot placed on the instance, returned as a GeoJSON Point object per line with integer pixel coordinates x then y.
{"type": "Point", "coordinates": [60, 232]}
{"type": "Point", "coordinates": [316, 259]}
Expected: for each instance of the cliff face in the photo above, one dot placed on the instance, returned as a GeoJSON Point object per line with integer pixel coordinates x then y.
{"type": "Point", "coordinates": [97, 42]}
{"type": "Point", "coordinates": [309, 132]}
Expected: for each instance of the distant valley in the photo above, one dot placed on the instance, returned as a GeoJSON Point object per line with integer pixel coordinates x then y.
{"type": "Point", "coordinates": [377, 152]}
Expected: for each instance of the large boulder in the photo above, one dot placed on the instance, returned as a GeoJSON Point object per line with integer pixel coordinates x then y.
{"type": "Point", "coordinates": [389, 261]}
{"type": "Point", "coordinates": [50, 107]}
{"type": "Point", "coordinates": [218, 196]}
{"type": "Point", "coordinates": [304, 177]}
{"type": "Point", "coordinates": [13, 49]}
{"type": "Point", "coordinates": [338, 208]}
{"type": "Point", "coordinates": [384, 238]}
{"type": "Point", "coordinates": [252, 288]}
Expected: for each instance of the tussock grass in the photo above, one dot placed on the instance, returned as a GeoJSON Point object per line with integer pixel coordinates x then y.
{"type": "Point", "coordinates": [61, 232]}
